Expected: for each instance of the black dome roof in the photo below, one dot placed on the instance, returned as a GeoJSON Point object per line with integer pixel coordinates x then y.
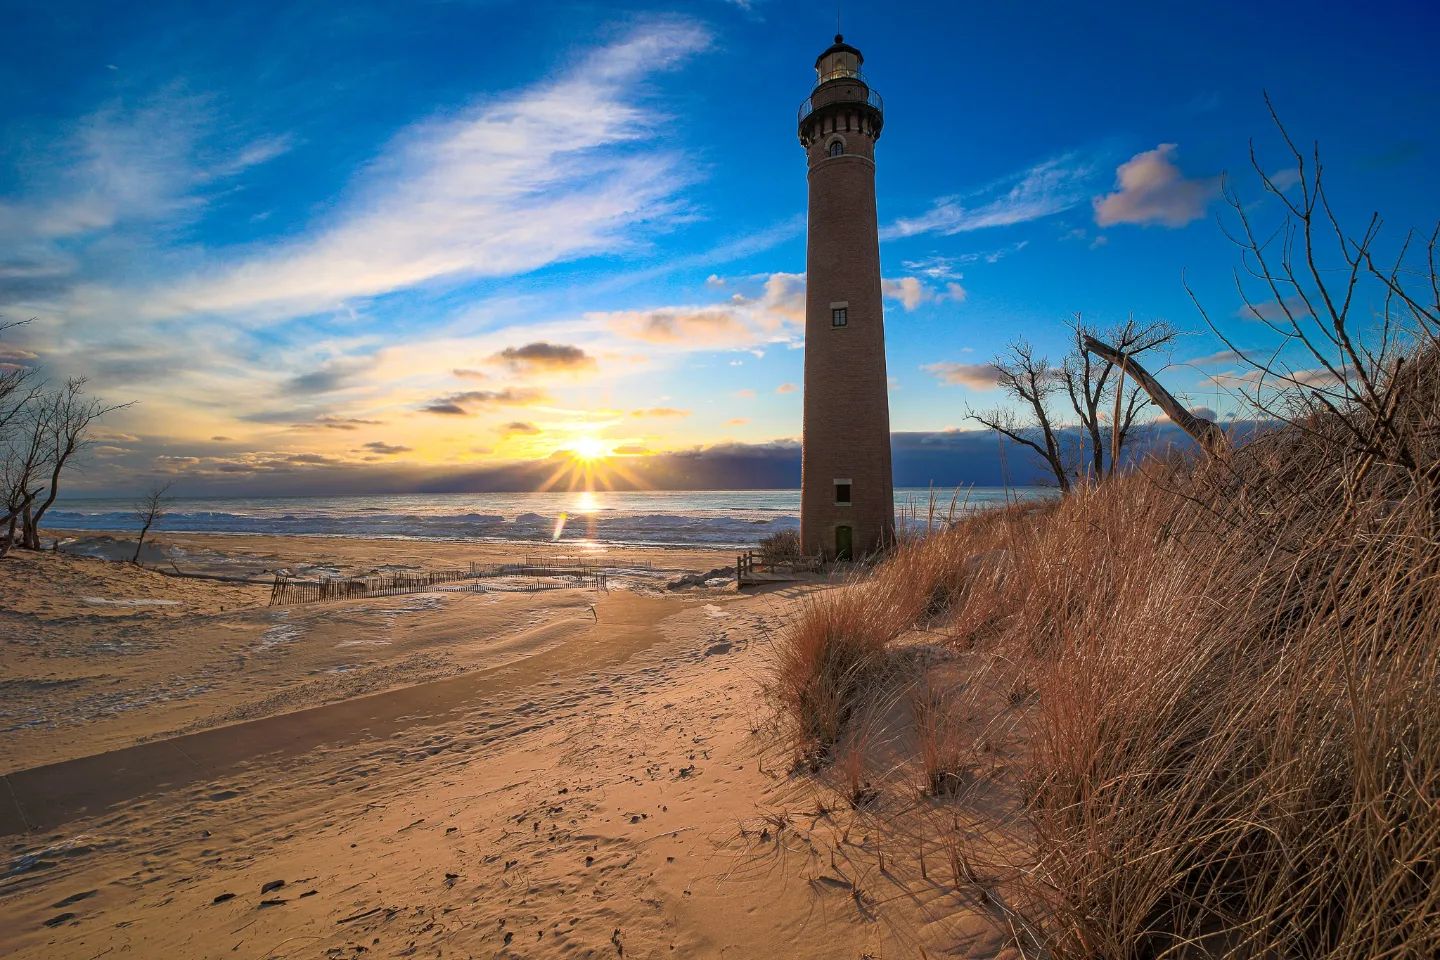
{"type": "Point", "coordinates": [839, 46]}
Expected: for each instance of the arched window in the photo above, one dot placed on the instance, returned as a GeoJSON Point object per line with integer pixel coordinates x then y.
{"type": "Point", "coordinates": [837, 147]}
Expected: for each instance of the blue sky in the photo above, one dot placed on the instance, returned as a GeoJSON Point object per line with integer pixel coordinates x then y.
{"type": "Point", "coordinates": [392, 241]}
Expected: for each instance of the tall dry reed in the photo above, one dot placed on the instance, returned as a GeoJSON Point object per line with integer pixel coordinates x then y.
{"type": "Point", "coordinates": [1235, 668]}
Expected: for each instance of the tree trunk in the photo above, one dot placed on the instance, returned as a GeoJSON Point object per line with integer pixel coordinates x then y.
{"type": "Point", "coordinates": [1206, 432]}
{"type": "Point", "coordinates": [29, 532]}
{"type": "Point", "coordinates": [34, 525]}
{"type": "Point", "coordinates": [9, 539]}
{"type": "Point", "coordinates": [140, 545]}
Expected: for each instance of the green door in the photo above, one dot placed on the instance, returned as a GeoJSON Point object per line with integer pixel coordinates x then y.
{"type": "Point", "coordinates": [842, 543]}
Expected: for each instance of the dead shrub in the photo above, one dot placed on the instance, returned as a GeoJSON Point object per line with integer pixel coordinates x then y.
{"type": "Point", "coordinates": [783, 546]}
{"type": "Point", "coordinates": [826, 661]}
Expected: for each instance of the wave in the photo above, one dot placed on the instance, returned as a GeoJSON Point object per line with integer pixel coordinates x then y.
{"type": "Point", "coordinates": [716, 518]}
{"type": "Point", "coordinates": [660, 529]}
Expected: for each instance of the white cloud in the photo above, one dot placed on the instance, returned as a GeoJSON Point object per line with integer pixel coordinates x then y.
{"type": "Point", "coordinates": [1153, 190]}
{"type": "Point", "coordinates": [911, 292]}
{"type": "Point", "coordinates": [1047, 188]}
{"type": "Point", "coordinates": [976, 376]}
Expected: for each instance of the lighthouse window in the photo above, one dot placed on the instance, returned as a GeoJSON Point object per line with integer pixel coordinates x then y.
{"type": "Point", "coordinates": [842, 493]}
{"type": "Point", "coordinates": [839, 316]}
{"type": "Point", "coordinates": [837, 148]}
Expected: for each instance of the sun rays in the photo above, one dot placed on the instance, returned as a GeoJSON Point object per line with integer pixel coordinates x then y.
{"type": "Point", "coordinates": [588, 463]}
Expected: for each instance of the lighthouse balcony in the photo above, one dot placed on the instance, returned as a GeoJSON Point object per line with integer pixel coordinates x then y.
{"type": "Point", "coordinates": [823, 98]}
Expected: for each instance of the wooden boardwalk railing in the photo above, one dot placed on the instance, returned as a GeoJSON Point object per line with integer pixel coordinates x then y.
{"type": "Point", "coordinates": [291, 590]}
{"type": "Point", "coordinates": [288, 590]}
{"type": "Point", "coordinates": [754, 567]}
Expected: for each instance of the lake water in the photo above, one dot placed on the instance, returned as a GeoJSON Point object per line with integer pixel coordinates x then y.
{"type": "Point", "coordinates": [718, 518]}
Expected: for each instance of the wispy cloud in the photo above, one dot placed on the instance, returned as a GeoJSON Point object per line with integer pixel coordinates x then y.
{"type": "Point", "coordinates": [1271, 309]}
{"type": "Point", "coordinates": [775, 315]}
{"type": "Point", "coordinates": [1047, 188]}
{"type": "Point", "coordinates": [499, 189]}
{"type": "Point", "coordinates": [776, 312]}
{"type": "Point", "coordinates": [247, 341]}
{"type": "Point", "coordinates": [1222, 358]}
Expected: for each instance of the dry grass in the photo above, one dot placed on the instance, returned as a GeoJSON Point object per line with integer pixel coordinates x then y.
{"type": "Point", "coordinates": [1229, 671]}
{"type": "Point", "coordinates": [940, 737]}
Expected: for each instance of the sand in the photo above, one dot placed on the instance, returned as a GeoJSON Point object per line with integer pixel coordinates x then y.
{"type": "Point", "coordinates": [188, 773]}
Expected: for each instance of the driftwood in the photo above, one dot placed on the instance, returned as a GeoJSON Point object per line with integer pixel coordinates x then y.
{"type": "Point", "coordinates": [1206, 432]}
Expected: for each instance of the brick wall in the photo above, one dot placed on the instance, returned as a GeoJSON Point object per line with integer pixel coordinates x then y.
{"type": "Point", "coordinates": [847, 404]}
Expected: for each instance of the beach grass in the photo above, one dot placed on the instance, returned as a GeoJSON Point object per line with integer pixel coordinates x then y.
{"type": "Point", "coordinates": [1227, 672]}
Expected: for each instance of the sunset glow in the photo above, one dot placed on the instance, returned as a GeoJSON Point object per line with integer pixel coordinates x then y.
{"type": "Point", "coordinates": [445, 272]}
{"type": "Point", "coordinates": [589, 449]}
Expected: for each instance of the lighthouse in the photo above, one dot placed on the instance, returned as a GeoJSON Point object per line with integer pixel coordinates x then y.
{"type": "Point", "coordinates": [847, 499]}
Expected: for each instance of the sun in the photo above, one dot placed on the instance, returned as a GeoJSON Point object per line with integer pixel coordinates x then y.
{"type": "Point", "coordinates": [590, 463]}
{"type": "Point", "coordinates": [588, 449]}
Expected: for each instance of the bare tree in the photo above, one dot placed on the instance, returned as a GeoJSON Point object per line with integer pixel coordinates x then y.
{"type": "Point", "coordinates": [1096, 387]}
{"type": "Point", "coordinates": [21, 472]}
{"type": "Point", "coordinates": [21, 445]}
{"type": "Point", "coordinates": [1105, 403]}
{"type": "Point", "coordinates": [1205, 432]}
{"type": "Point", "coordinates": [1312, 278]}
{"type": "Point", "coordinates": [149, 510]}
{"type": "Point", "coordinates": [69, 414]}
{"type": "Point", "coordinates": [18, 388]}
{"type": "Point", "coordinates": [1032, 381]}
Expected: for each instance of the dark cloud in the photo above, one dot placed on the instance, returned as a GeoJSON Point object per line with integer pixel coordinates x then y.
{"type": "Point", "coordinates": [337, 423]}
{"type": "Point", "coordinates": [467, 402]}
{"type": "Point", "coordinates": [521, 427]}
{"type": "Point", "coordinates": [545, 356]}
{"type": "Point", "coordinates": [388, 449]}
{"type": "Point", "coordinates": [334, 375]}
{"type": "Point", "coordinates": [947, 458]}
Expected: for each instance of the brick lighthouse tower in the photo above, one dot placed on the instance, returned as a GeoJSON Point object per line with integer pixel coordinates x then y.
{"type": "Point", "coordinates": [847, 501]}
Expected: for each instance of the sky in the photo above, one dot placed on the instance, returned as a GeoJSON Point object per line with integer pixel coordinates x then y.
{"type": "Point", "coordinates": [378, 247]}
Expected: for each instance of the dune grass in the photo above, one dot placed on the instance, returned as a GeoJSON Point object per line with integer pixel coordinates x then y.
{"type": "Point", "coordinates": [1229, 671]}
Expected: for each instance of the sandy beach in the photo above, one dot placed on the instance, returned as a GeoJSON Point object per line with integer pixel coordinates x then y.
{"type": "Point", "coordinates": [515, 772]}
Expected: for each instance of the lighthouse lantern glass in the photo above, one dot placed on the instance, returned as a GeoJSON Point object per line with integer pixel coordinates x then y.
{"type": "Point", "coordinates": [839, 64]}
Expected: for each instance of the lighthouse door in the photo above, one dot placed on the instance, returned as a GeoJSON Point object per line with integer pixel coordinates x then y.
{"type": "Point", "coordinates": [842, 543]}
